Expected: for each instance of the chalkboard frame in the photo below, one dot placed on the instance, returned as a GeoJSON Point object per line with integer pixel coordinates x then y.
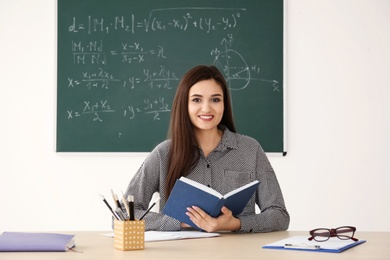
{"type": "Point", "coordinates": [63, 112]}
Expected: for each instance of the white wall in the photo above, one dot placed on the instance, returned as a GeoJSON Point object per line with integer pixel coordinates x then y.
{"type": "Point", "coordinates": [336, 172]}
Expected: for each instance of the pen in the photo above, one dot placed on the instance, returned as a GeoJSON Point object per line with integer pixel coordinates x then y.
{"type": "Point", "coordinates": [120, 214]}
{"type": "Point", "coordinates": [126, 205]}
{"type": "Point", "coordinates": [147, 211]}
{"type": "Point", "coordinates": [115, 199]}
{"type": "Point", "coordinates": [302, 246]}
{"type": "Point", "coordinates": [118, 205]}
{"type": "Point", "coordinates": [130, 198]}
{"type": "Point", "coordinates": [109, 207]}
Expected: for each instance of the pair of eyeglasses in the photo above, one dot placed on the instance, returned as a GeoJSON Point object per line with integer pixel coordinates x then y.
{"type": "Point", "coordinates": [323, 234]}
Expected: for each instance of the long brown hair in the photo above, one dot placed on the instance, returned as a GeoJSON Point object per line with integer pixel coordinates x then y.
{"type": "Point", "coordinates": [184, 154]}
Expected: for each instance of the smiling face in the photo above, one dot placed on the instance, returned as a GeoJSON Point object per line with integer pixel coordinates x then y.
{"type": "Point", "coordinates": [205, 105]}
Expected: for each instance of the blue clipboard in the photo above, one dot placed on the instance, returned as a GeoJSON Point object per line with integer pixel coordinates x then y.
{"type": "Point", "coordinates": [301, 243]}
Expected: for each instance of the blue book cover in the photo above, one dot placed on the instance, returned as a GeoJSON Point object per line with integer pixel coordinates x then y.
{"type": "Point", "coordinates": [187, 193]}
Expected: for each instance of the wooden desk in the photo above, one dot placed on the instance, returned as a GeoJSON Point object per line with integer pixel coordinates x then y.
{"type": "Point", "coordinates": [227, 246]}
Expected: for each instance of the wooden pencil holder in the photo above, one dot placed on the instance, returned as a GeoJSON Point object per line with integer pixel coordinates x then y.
{"type": "Point", "coordinates": [129, 235]}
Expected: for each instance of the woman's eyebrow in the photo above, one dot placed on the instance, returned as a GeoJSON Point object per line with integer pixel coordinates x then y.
{"type": "Point", "coordinates": [213, 95]}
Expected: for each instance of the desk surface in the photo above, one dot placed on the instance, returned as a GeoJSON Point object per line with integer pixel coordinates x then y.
{"type": "Point", "coordinates": [227, 246]}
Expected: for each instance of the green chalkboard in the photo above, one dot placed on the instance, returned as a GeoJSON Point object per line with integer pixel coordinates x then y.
{"type": "Point", "coordinates": [119, 63]}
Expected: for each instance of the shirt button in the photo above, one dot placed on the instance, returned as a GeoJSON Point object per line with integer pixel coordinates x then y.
{"type": "Point", "coordinates": [208, 165]}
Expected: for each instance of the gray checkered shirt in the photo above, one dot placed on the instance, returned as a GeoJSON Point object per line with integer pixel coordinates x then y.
{"type": "Point", "coordinates": [236, 161]}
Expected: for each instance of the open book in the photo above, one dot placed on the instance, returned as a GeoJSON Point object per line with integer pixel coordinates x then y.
{"type": "Point", "coordinates": [35, 242]}
{"type": "Point", "coordinates": [187, 193]}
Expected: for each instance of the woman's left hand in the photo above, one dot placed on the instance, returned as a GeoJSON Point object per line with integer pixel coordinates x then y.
{"type": "Point", "coordinates": [225, 222]}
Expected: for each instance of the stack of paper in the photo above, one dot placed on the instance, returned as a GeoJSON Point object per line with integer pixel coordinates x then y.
{"type": "Point", "coordinates": [153, 236]}
{"type": "Point", "coordinates": [30, 242]}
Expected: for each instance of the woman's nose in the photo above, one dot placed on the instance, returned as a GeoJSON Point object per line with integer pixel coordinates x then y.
{"type": "Point", "coordinates": [206, 107]}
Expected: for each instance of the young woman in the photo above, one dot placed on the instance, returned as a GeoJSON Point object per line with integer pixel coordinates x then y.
{"type": "Point", "coordinates": [203, 146]}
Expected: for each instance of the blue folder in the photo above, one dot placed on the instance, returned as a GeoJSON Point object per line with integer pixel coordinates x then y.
{"type": "Point", "coordinates": [35, 242]}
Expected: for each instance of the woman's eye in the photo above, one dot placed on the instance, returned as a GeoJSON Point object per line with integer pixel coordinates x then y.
{"type": "Point", "coordinates": [196, 100]}
{"type": "Point", "coordinates": [216, 99]}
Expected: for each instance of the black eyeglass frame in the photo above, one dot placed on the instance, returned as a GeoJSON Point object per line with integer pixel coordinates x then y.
{"type": "Point", "coordinates": [334, 232]}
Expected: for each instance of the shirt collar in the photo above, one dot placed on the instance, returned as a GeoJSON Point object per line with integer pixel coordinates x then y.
{"type": "Point", "coordinates": [229, 139]}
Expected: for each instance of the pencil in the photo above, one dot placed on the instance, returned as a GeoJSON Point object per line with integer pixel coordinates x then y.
{"type": "Point", "coordinates": [147, 211]}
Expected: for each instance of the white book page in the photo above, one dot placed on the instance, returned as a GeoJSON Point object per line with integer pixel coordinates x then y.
{"type": "Point", "coordinates": [201, 187]}
{"type": "Point", "coordinates": [240, 189]}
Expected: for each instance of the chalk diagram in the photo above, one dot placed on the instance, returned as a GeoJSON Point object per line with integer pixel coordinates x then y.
{"type": "Point", "coordinates": [234, 66]}
{"type": "Point", "coordinates": [236, 70]}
